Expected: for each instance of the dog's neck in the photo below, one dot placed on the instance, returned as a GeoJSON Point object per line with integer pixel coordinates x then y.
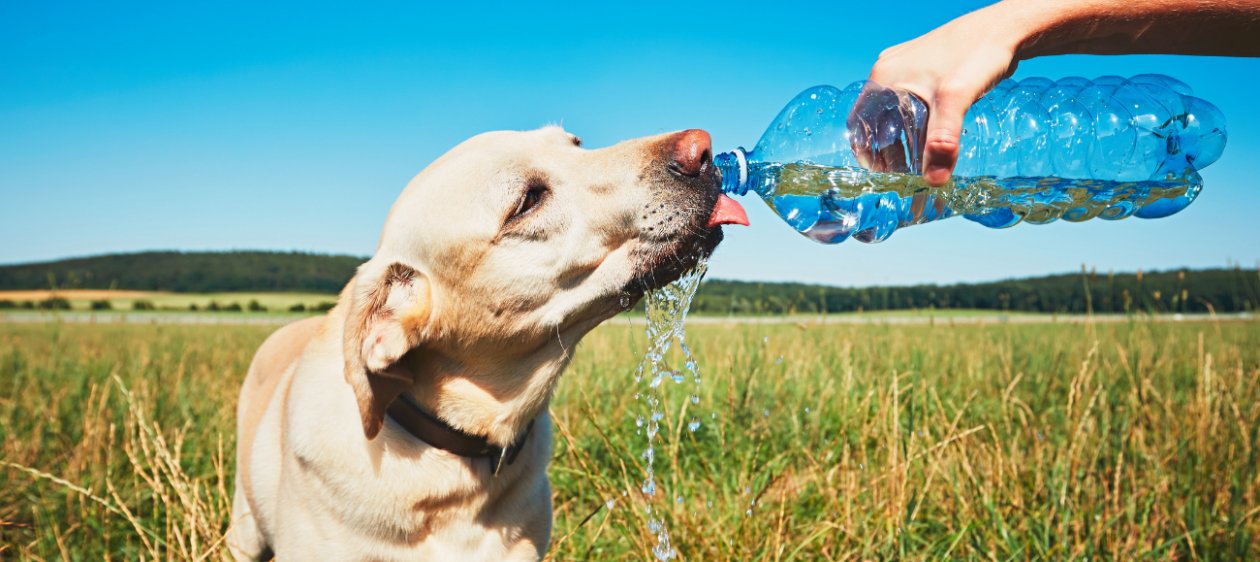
{"type": "Point", "coordinates": [496, 400]}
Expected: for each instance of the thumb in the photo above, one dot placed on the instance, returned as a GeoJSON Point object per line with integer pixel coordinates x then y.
{"type": "Point", "coordinates": [940, 147]}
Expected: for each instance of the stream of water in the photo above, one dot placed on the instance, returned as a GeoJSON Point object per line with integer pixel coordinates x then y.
{"type": "Point", "coordinates": [666, 310]}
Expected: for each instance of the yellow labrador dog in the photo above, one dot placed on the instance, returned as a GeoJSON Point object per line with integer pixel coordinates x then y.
{"type": "Point", "coordinates": [410, 423]}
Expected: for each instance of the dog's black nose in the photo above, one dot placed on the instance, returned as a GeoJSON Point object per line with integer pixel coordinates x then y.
{"type": "Point", "coordinates": [693, 149]}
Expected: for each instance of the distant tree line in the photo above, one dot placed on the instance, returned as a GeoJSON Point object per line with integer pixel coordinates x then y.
{"type": "Point", "coordinates": [188, 272]}
{"type": "Point", "coordinates": [1204, 290]}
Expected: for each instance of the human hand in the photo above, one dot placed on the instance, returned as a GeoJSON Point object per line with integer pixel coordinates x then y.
{"type": "Point", "coordinates": [949, 68]}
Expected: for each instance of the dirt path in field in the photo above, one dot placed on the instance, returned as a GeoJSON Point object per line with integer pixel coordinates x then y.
{"type": "Point", "coordinates": [192, 318]}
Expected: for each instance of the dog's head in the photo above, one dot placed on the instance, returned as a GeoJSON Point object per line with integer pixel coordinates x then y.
{"type": "Point", "coordinates": [502, 253]}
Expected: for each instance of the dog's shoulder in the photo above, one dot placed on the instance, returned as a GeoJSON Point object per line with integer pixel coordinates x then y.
{"type": "Point", "coordinates": [281, 349]}
{"type": "Point", "coordinates": [274, 357]}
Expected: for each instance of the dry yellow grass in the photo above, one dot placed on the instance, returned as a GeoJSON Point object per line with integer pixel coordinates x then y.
{"type": "Point", "coordinates": [76, 294]}
{"type": "Point", "coordinates": [82, 299]}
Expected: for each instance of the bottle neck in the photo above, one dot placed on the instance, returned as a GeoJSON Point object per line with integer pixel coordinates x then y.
{"type": "Point", "coordinates": [734, 168]}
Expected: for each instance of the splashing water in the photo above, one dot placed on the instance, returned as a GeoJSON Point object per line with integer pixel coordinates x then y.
{"type": "Point", "coordinates": [666, 310]}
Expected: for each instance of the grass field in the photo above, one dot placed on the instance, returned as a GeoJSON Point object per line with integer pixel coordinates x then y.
{"type": "Point", "coordinates": [81, 299]}
{"type": "Point", "coordinates": [1005, 442]}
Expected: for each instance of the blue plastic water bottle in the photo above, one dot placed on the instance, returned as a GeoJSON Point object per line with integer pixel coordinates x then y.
{"type": "Point", "coordinates": [844, 163]}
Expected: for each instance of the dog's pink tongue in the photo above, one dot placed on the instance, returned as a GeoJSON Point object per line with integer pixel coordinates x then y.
{"type": "Point", "coordinates": [727, 211]}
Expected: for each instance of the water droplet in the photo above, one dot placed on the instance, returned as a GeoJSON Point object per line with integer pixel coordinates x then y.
{"type": "Point", "coordinates": [778, 360]}
{"type": "Point", "coordinates": [663, 552]}
{"type": "Point", "coordinates": [678, 499]}
{"type": "Point", "coordinates": [695, 399]}
{"type": "Point", "coordinates": [693, 425]}
{"type": "Point", "coordinates": [765, 413]}
{"type": "Point", "coordinates": [807, 409]}
{"type": "Point", "coordinates": [610, 503]}
{"type": "Point", "coordinates": [624, 301]}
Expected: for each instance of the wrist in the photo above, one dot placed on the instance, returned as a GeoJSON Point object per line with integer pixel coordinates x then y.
{"type": "Point", "coordinates": [1026, 25]}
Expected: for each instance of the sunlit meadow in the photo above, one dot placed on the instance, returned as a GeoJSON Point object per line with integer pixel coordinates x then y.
{"type": "Point", "coordinates": [1126, 441]}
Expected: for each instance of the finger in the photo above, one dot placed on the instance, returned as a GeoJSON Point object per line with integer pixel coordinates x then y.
{"type": "Point", "coordinates": [892, 158]}
{"type": "Point", "coordinates": [876, 128]}
{"type": "Point", "coordinates": [859, 132]}
{"type": "Point", "coordinates": [940, 147]}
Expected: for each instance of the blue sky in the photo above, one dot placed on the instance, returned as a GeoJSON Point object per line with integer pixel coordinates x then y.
{"type": "Point", "coordinates": [134, 126]}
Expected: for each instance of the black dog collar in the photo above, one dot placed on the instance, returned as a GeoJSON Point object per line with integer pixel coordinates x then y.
{"type": "Point", "coordinates": [428, 428]}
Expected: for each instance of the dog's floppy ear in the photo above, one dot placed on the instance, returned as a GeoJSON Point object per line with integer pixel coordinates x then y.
{"type": "Point", "coordinates": [388, 317]}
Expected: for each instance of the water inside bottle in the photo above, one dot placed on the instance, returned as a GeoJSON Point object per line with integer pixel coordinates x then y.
{"type": "Point", "coordinates": [832, 204]}
{"type": "Point", "coordinates": [666, 310]}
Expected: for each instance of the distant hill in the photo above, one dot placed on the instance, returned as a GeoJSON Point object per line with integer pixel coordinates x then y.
{"type": "Point", "coordinates": [1219, 290]}
{"type": "Point", "coordinates": [188, 272]}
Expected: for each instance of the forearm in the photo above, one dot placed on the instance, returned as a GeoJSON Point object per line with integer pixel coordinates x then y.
{"type": "Point", "coordinates": [1196, 27]}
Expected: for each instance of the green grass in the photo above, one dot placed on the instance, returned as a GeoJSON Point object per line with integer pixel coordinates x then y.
{"type": "Point", "coordinates": [1003, 442]}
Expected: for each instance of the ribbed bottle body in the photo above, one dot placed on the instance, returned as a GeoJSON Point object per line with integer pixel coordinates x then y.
{"type": "Point", "coordinates": [840, 163]}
